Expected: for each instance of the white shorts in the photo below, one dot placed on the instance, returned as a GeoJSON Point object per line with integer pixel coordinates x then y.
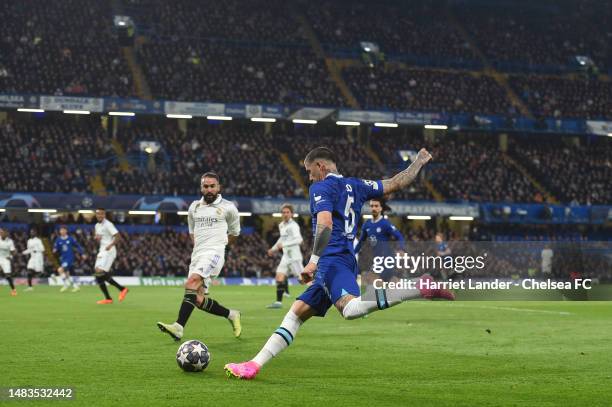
{"type": "Point", "coordinates": [105, 259]}
{"type": "Point", "coordinates": [290, 267]}
{"type": "Point", "coordinates": [5, 266]}
{"type": "Point", "coordinates": [35, 264]}
{"type": "Point", "coordinates": [207, 265]}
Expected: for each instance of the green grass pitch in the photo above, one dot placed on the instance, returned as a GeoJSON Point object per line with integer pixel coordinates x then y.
{"type": "Point", "coordinates": [418, 353]}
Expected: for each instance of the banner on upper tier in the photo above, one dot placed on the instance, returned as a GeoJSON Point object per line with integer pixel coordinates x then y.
{"type": "Point", "coordinates": [194, 108]}
{"type": "Point", "coordinates": [311, 113]}
{"type": "Point", "coordinates": [168, 281]}
{"type": "Point", "coordinates": [19, 101]}
{"type": "Point", "coordinates": [71, 103]}
{"type": "Point", "coordinates": [133, 105]}
{"type": "Point", "coordinates": [366, 116]}
{"type": "Point", "coordinates": [600, 127]}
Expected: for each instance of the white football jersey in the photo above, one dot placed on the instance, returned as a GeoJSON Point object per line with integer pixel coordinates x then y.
{"type": "Point", "coordinates": [35, 249]}
{"type": "Point", "coordinates": [211, 223]}
{"type": "Point", "coordinates": [290, 238]}
{"type": "Point", "coordinates": [6, 247]}
{"type": "Point", "coordinates": [106, 230]}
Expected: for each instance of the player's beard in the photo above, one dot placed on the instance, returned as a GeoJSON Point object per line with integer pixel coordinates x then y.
{"type": "Point", "coordinates": [210, 198]}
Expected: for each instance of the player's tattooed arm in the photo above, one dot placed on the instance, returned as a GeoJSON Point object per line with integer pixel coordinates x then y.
{"type": "Point", "coordinates": [321, 239]}
{"type": "Point", "coordinates": [406, 177]}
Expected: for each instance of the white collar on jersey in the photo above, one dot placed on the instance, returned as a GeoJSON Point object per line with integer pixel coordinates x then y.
{"type": "Point", "coordinates": [377, 220]}
{"type": "Point", "coordinates": [331, 174]}
{"type": "Point", "coordinates": [215, 202]}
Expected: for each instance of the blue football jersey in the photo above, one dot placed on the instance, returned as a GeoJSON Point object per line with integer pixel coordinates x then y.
{"type": "Point", "coordinates": [380, 231]}
{"type": "Point", "coordinates": [65, 248]}
{"type": "Point", "coordinates": [344, 198]}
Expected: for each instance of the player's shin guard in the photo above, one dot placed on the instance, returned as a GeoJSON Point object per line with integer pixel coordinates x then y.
{"type": "Point", "coordinates": [280, 339]}
{"type": "Point", "coordinates": [102, 284]}
{"type": "Point", "coordinates": [213, 307]}
{"type": "Point", "coordinates": [189, 302]}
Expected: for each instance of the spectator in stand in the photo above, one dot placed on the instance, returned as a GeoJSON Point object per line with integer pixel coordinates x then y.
{"type": "Point", "coordinates": [65, 47]}
{"type": "Point", "coordinates": [586, 98]}
{"type": "Point", "coordinates": [431, 91]}
{"type": "Point", "coordinates": [49, 156]}
{"type": "Point", "coordinates": [225, 72]}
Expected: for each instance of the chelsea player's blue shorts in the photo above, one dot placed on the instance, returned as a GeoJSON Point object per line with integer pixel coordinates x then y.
{"type": "Point", "coordinates": [336, 276]}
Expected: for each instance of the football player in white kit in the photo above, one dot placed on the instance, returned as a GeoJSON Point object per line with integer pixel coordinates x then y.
{"type": "Point", "coordinates": [211, 219]}
{"type": "Point", "coordinates": [7, 250]}
{"type": "Point", "coordinates": [108, 236]}
{"type": "Point", "coordinates": [291, 263]}
{"type": "Point", "coordinates": [36, 250]}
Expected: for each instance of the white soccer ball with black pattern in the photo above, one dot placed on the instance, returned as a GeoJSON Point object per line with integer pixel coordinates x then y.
{"type": "Point", "coordinates": [193, 356]}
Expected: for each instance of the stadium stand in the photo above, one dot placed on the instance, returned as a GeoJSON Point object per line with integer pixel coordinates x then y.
{"type": "Point", "coordinates": [81, 58]}
{"type": "Point", "coordinates": [561, 97]}
{"type": "Point", "coordinates": [210, 71]}
{"type": "Point", "coordinates": [422, 90]}
{"type": "Point", "coordinates": [49, 155]}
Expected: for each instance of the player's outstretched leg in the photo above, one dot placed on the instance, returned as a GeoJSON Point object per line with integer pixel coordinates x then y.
{"type": "Point", "coordinates": [280, 290]}
{"type": "Point", "coordinates": [65, 280]}
{"type": "Point", "coordinates": [122, 290]}
{"type": "Point", "coordinates": [30, 277]}
{"type": "Point", "coordinates": [280, 340]}
{"type": "Point", "coordinates": [10, 281]}
{"type": "Point", "coordinates": [211, 306]}
{"type": "Point", "coordinates": [101, 280]}
{"type": "Point", "coordinates": [192, 285]}
{"type": "Point", "coordinates": [352, 307]}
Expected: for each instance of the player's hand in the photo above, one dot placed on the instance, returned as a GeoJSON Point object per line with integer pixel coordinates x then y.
{"type": "Point", "coordinates": [308, 273]}
{"type": "Point", "coordinates": [270, 252]}
{"type": "Point", "coordinates": [98, 237]}
{"type": "Point", "coordinates": [280, 246]}
{"type": "Point", "coordinates": [83, 257]}
{"type": "Point", "coordinates": [424, 156]}
{"type": "Point", "coordinates": [108, 247]}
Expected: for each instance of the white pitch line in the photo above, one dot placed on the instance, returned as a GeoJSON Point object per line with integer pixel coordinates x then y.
{"type": "Point", "coordinates": [514, 309]}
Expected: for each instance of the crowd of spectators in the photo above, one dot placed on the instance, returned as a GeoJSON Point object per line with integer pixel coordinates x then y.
{"type": "Point", "coordinates": [61, 47]}
{"type": "Point", "coordinates": [558, 97]}
{"type": "Point", "coordinates": [235, 20]}
{"type": "Point", "coordinates": [465, 167]}
{"type": "Point", "coordinates": [221, 72]}
{"type": "Point", "coordinates": [242, 155]}
{"type": "Point", "coordinates": [49, 156]}
{"type": "Point", "coordinates": [53, 155]}
{"type": "Point", "coordinates": [540, 37]}
{"type": "Point", "coordinates": [426, 90]}
{"type": "Point", "coordinates": [574, 174]}
{"type": "Point", "coordinates": [416, 29]}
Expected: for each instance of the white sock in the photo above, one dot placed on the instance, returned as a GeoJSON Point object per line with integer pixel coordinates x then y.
{"type": "Point", "coordinates": [70, 280]}
{"type": "Point", "coordinates": [65, 281]}
{"type": "Point", "coordinates": [280, 339]}
{"type": "Point", "coordinates": [358, 307]}
{"type": "Point", "coordinates": [233, 314]}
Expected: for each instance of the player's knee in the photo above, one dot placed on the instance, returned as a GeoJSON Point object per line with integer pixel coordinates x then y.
{"type": "Point", "coordinates": [193, 282]}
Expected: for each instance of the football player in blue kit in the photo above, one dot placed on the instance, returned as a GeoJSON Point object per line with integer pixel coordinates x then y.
{"type": "Point", "coordinates": [379, 232]}
{"type": "Point", "coordinates": [65, 245]}
{"type": "Point", "coordinates": [335, 205]}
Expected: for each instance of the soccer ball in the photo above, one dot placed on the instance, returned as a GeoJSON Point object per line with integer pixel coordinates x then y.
{"type": "Point", "coordinates": [193, 356]}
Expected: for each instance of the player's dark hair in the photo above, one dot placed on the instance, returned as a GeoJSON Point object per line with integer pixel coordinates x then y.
{"type": "Point", "coordinates": [383, 204]}
{"type": "Point", "coordinates": [320, 153]}
{"type": "Point", "coordinates": [211, 174]}
{"type": "Point", "coordinates": [288, 206]}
